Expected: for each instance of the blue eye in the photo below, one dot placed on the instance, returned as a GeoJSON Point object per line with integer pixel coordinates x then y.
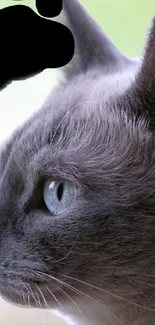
{"type": "Point", "coordinates": [58, 195]}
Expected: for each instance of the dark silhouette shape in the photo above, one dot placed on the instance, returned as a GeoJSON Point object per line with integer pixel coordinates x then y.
{"type": "Point", "coordinates": [30, 43]}
{"type": "Point", "coordinates": [49, 8]}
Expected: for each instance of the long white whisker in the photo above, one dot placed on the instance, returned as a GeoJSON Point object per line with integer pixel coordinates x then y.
{"type": "Point", "coordinates": [46, 304]}
{"type": "Point", "coordinates": [77, 307]}
{"type": "Point", "coordinates": [23, 296]}
{"type": "Point", "coordinates": [39, 302]}
{"type": "Point", "coordinates": [63, 258]}
{"type": "Point", "coordinates": [53, 295]}
{"type": "Point", "coordinates": [25, 303]}
{"type": "Point", "coordinates": [28, 298]}
{"type": "Point", "coordinates": [27, 291]}
{"type": "Point", "coordinates": [107, 292]}
{"type": "Point", "coordinates": [80, 293]}
{"type": "Point", "coordinates": [33, 295]}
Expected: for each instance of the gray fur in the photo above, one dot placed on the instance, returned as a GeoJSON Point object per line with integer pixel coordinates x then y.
{"type": "Point", "coordinates": [97, 130]}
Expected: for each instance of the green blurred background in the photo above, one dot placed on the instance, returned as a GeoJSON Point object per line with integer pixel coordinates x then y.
{"type": "Point", "coordinates": [125, 21]}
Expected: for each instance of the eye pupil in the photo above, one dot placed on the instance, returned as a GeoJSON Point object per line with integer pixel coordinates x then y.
{"type": "Point", "coordinates": [60, 191]}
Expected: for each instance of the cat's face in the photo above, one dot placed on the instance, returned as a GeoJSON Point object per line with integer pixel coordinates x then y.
{"type": "Point", "coordinates": [77, 192]}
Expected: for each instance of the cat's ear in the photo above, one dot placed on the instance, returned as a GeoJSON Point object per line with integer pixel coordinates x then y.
{"type": "Point", "coordinates": [92, 46]}
{"type": "Point", "coordinates": [142, 91]}
{"type": "Point", "coordinates": [146, 75]}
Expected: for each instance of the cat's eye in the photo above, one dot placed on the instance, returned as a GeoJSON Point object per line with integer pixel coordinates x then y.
{"type": "Point", "coordinates": [58, 195]}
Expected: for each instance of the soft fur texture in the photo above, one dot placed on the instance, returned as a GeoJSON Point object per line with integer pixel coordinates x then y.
{"type": "Point", "coordinates": [96, 261]}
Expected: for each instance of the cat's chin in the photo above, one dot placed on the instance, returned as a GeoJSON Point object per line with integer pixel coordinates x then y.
{"type": "Point", "coordinates": [27, 297]}
{"type": "Point", "coordinates": [12, 298]}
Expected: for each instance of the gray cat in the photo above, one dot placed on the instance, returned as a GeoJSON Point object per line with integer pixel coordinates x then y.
{"type": "Point", "coordinates": [77, 203]}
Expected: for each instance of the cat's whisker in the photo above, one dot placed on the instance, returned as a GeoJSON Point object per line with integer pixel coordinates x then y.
{"type": "Point", "coordinates": [27, 304]}
{"type": "Point", "coordinates": [141, 283]}
{"type": "Point", "coordinates": [53, 295]}
{"type": "Point", "coordinates": [33, 295]}
{"type": "Point", "coordinates": [87, 296]}
{"type": "Point", "coordinates": [23, 296]}
{"type": "Point", "coordinates": [24, 300]}
{"type": "Point", "coordinates": [105, 291]}
{"type": "Point", "coordinates": [45, 302]}
{"type": "Point", "coordinates": [150, 275]}
{"type": "Point", "coordinates": [28, 299]}
{"type": "Point", "coordinates": [63, 258]}
{"type": "Point", "coordinates": [74, 303]}
{"type": "Point", "coordinates": [82, 294]}
{"type": "Point", "coordinates": [39, 302]}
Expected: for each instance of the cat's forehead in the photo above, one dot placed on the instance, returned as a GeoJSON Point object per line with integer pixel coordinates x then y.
{"type": "Point", "coordinates": [73, 111]}
{"type": "Point", "coordinates": [88, 91]}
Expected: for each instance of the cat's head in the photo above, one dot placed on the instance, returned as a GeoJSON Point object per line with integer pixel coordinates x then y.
{"type": "Point", "coordinates": [77, 188]}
